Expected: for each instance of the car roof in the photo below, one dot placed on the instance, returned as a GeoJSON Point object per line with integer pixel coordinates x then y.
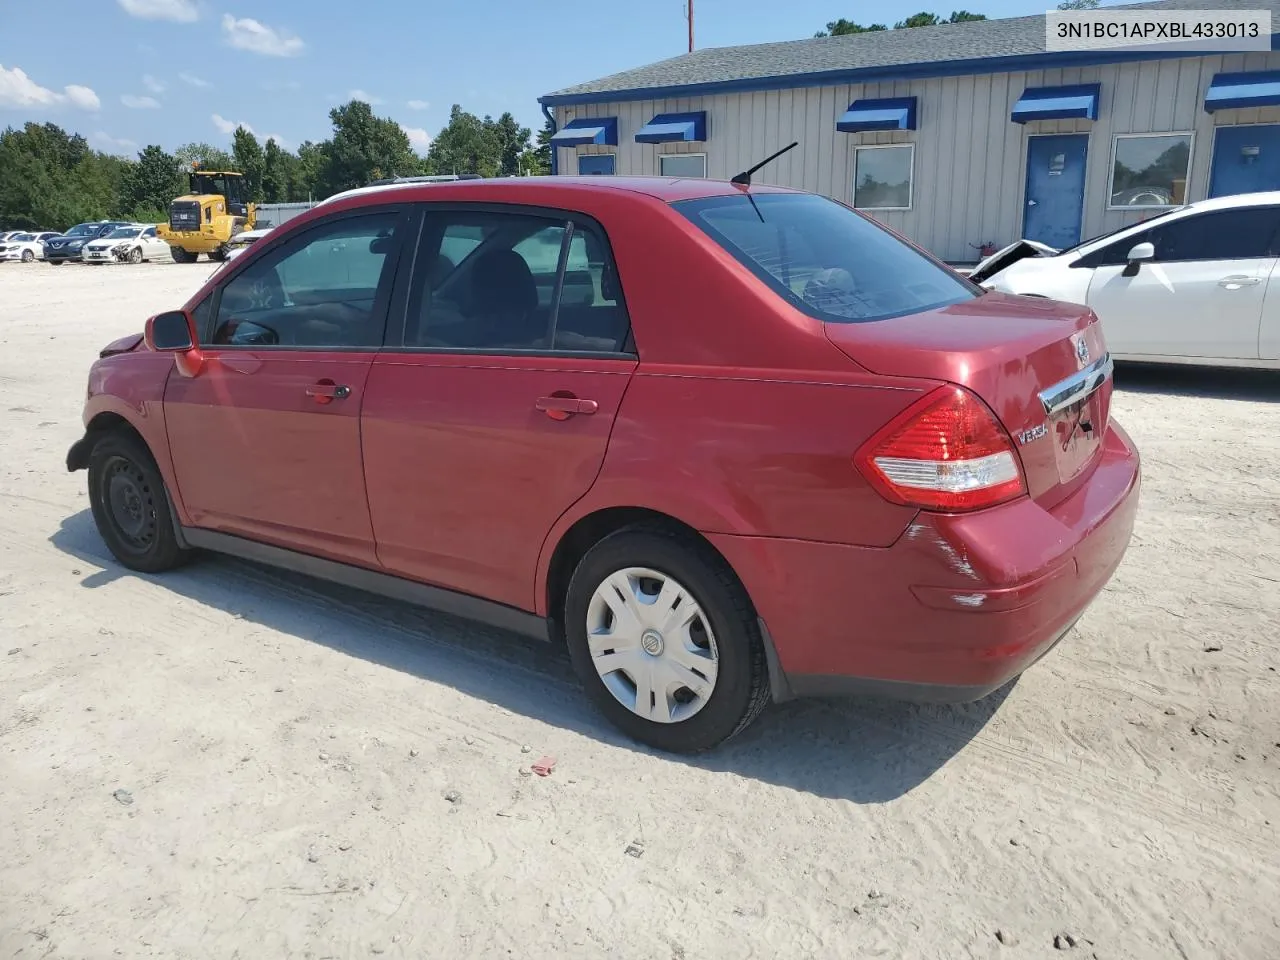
{"type": "Point", "coordinates": [1262, 199]}
{"type": "Point", "coordinates": [533, 190]}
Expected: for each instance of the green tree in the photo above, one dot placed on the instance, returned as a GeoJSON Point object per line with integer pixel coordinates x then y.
{"type": "Point", "coordinates": [365, 147]}
{"type": "Point", "coordinates": [50, 179]}
{"type": "Point", "coordinates": [537, 159]}
{"type": "Point", "coordinates": [208, 156]}
{"type": "Point", "coordinates": [247, 155]}
{"type": "Point", "coordinates": [304, 183]}
{"type": "Point", "coordinates": [151, 183]}
{"type": "Point", "coordinates": [513, 143]}
{"type": "Point", "coordinates": [279, 169]}
{"type": "Point", "coordinates": [843, 28]}
{"type": "Point", "coordinates": [468, 144]}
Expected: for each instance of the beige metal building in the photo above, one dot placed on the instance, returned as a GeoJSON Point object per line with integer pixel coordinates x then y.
{"type": "Point", "coordinates": [955, 135]}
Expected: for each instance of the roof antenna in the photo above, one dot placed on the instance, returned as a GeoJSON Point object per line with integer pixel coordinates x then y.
{"type": "Point", "coordinates": [744, 177]}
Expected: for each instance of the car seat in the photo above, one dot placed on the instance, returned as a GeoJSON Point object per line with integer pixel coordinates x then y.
{"type": "Point", "coordinates": [504, 301]}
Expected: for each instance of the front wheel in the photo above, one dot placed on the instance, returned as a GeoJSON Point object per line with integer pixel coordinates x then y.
{"type": "Point", "coordinates": [182, 256]}
{"type": "Point", "coordinates": [130, 506]}
{"type": "Point", "coordinates": [54, 263]}
{"type": "Point", "coordinates": [27, 256]}
{"type": "Point", "coordinates": [135, 255]}
{"type": "Point", "coordinates": [664, 639]}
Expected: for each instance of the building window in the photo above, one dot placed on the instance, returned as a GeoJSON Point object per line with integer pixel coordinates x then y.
{"type": "Point", "coordinates": [595, 164]}
{"type": "Point", "coordinates": [682, 165]}
{"type": "Point", "coordinates": [882, 177]}
{"type": "Point", "coordinates": [1150, 170]}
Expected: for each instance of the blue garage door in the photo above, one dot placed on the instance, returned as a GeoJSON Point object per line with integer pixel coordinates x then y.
{"type": "Point", "coordinates": [595, 165]}
{"type": "Point", "coordinates": [1245, 160]}
{"type": "Point", "coordinates": [1055, 188]}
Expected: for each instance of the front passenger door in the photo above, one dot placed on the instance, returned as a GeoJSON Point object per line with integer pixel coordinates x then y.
{"type": "Point", "coordinates": [1203, 293]}
{"type": "Point", "coordinates": [265, 439]}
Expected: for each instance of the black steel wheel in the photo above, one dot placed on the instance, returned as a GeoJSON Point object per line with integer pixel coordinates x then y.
{"type": "Point", "coordinates": [130, 506]}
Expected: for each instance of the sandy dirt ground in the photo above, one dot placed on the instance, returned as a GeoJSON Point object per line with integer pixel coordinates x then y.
{"type": "Point", "coordinates": [231, 762]}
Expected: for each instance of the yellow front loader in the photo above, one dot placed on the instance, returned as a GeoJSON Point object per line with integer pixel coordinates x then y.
{"type": "Point", "coordinates": [204, 220]}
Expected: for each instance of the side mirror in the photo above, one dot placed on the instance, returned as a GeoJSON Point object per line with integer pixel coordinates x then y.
{"type": "Point", "coordinates": [1142, 251]}
{"type": "Point", "coordinates": [175, 332]}
{"type": "Point", "coordinates": [171, 332]}
{"type": "Point", "coordinates": [1137, 254]}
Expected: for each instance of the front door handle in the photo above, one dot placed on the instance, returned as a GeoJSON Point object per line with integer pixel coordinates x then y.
{"type": "Point", "coordinates": [1235, 283]}
{"type": "Point", "coordinates": [562, 407]}
{"type": "Point", "coordinates": [326, 391]}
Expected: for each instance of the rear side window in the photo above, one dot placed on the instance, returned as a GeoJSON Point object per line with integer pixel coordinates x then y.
{"type": "Point", "coordinates": [825, 259]}
{"type": "Point", "coordinates": [496, 282]}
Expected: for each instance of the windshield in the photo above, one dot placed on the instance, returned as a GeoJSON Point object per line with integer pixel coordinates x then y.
{"type": "Point", "coordinates": [84, 230]}
{"type": "Point", "coordinates": [824, 258]}
{"type": "Point", "coordinates": [1112, 233]}
{"type": "Point", "coordinates": [124, 233]}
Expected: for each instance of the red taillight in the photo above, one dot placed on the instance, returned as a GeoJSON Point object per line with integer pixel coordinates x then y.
{"type": "Point", "coordinates": [945, 452]}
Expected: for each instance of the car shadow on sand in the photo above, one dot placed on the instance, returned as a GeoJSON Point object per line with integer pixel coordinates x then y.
{"type": "Point", "coordinates": [1217, 383]}
{"type": "Point", "coordinates": [862, 751]}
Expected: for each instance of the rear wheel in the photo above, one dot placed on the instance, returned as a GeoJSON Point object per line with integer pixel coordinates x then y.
{"type": "Point", "coordinates": [218, 255]}
{"type": "Point", "coordinates": [130, 506]}
{"type": "Point", "coordinates": [182, 256]}
{"type": "Point", "coordinates": [664, 639]}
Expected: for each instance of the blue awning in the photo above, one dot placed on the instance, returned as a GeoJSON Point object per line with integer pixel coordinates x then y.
{"type": "Point", "coordinates": [895, 113]}
{"type": "Point", "coordinates": [1078, 102]}
{"type": "Point", "coordinates": [674, 127]}
{"type": "Point", "coordinates": [1260, 89]}
{"type": "Point", "coordinates": [586, 131]}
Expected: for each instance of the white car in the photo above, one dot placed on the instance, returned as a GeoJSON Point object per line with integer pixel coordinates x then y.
{"type": "Point", "coordinates": [130, 244]}
{"type": "Point", "coordinates": [243, 241]}
{"type": "Point", "coordinates": [25, 246]}
{"type": "Point", "coordinates": [1196, 285]}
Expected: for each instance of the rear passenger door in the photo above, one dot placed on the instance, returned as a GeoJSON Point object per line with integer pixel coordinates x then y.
{"type": "Point", "coordinates": [489, 413]}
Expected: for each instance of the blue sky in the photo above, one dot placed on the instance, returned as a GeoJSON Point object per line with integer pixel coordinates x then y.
{"type": "Point", "coordinates": [126, 73]}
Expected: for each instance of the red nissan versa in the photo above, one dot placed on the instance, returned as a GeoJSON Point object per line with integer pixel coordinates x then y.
{"type": "Point", "coordinates": [729, 443]}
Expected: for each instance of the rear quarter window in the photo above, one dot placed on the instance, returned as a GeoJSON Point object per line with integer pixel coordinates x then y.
{"type": "Point", "coordinates": [824, 258]}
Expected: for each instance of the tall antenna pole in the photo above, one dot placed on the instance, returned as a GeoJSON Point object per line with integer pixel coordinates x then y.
{"type": "Point", "coordinates": [689, 8]}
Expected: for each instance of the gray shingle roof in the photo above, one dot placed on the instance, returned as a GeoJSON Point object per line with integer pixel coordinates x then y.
{"type": "Point", "coordinates": [975, 40]}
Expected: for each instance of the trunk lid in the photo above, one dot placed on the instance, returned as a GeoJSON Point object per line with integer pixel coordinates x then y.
{"type": "Point", "coordinates": [1041, 366]}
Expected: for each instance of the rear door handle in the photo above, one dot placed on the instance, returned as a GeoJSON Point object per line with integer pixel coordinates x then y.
{"type": "Point", "coordinates": [327, 391]}
{"type": "Point", "coordinates": [559, 408]}
{"type": "Point", "coordinates": [1235, 283]}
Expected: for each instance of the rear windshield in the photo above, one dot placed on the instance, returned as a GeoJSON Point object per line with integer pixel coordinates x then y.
{"type": "Point", "coordinates": [823, 258]}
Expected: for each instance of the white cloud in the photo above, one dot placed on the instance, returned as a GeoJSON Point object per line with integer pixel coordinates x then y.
{"type": "Point", "coordinates": [152, 84]}
{"type": "Point", "coordinates": [417, 104]}
{"type": "Point", "coordinates": [140, 103]}
{"type": "Point", "coordinates": [368, 98]}
{"type": "Point", "coordinates": [418, 138]}
{"type": "Point", "coordinates": [19, 90]}
{"type": "Point", "coordinates": [82, 97]}
{"type": "Point", "coordinates": [256, 37]}
{"type": "Point", "coordinates": [109, 144]}
{"type": "Point", "coordinates": [229, 127]}
{"type": "Point", "coordinates": [179, 11]}
{"type": "Point", "coordinates": [193, 80]}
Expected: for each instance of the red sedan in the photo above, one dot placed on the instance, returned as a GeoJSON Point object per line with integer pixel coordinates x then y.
{"type": "Point", "coordinates": [728, 443]}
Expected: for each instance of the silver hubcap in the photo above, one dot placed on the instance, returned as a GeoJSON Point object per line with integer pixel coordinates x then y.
{"type": "Point", "coordinates": [652, 645]}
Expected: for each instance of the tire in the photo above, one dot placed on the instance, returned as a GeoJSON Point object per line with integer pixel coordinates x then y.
{"type": "Point", "coordinates": [54, 263]}
{"type": "Point", "coordinates": [130, 505]}
{"type": "Point", "coordinates": [27, 256]}
{"type": "Point", "coordinates": [182, 256]}
{"type": "Point", "coordinates": [724, 634]}
{"type": "Point", "coordinates": [218, 255]}
{"type": "Point", "coordinates": [135, 255]}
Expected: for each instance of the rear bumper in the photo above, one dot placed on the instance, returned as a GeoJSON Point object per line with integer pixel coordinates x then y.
{"type": "Point", "coordinates": [956, 608]}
